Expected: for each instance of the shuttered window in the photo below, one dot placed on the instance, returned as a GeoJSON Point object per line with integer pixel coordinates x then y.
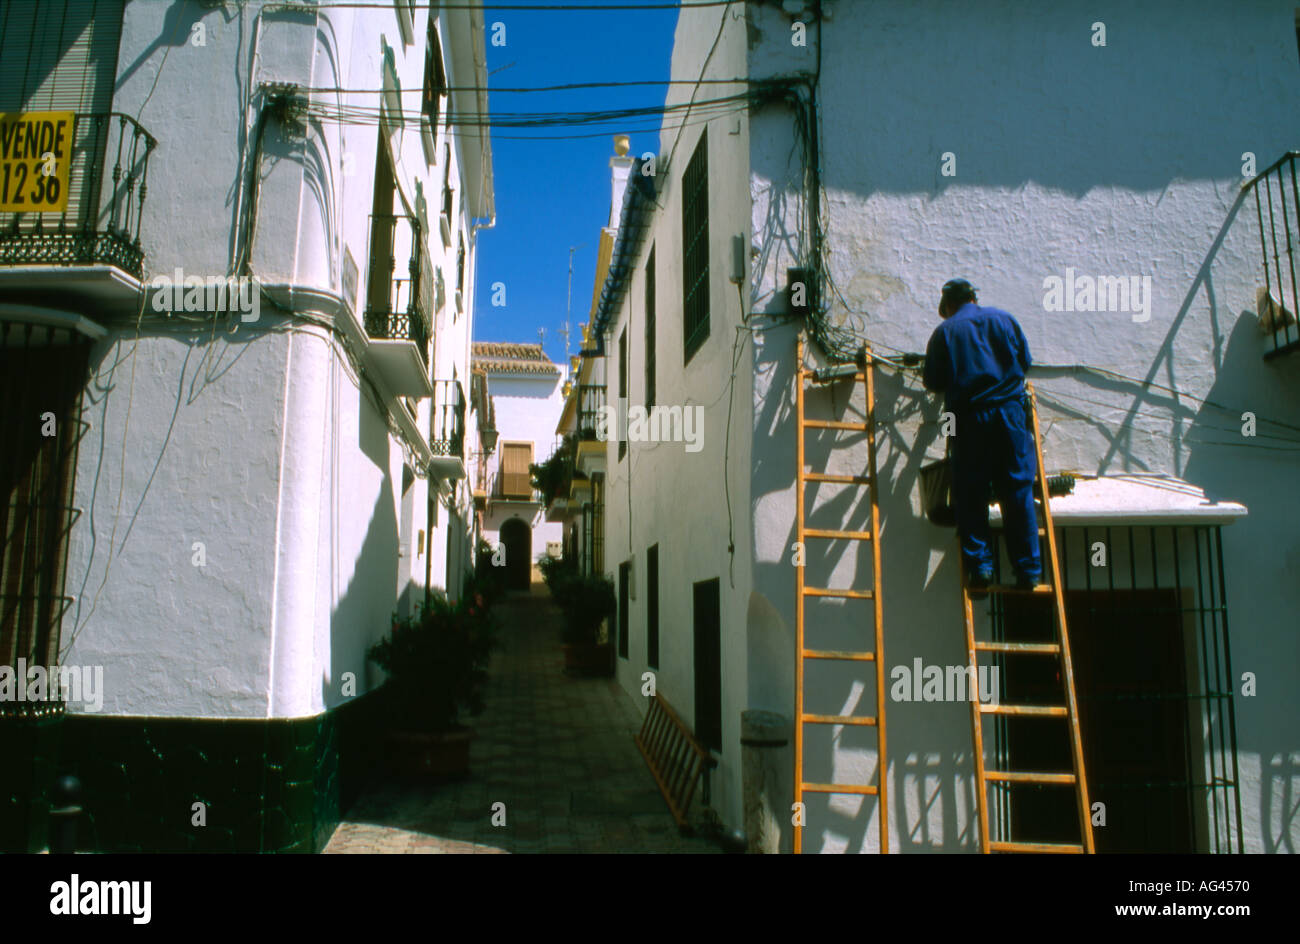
{"type": "Point", "coordinates": [59, 55]}
{"type": "Point", "coordinates": [650, 329]}
{"type": "Point", "coordinates": [515, 480]}
{"type": "Point", "coordinates": [695, 249]}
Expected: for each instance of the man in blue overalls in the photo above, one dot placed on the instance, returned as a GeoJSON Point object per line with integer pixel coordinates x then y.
{"type": "Point", "coordinates": [977, 358]}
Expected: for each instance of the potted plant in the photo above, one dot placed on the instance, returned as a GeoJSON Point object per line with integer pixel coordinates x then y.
{"type": "Point", "coordinates": [586, 602]}
{"type": "Point", "coordinates": [437, 668]}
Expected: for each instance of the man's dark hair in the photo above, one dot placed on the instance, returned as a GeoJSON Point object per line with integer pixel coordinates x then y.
{"type": "Point", "coordinates": [957, 292]}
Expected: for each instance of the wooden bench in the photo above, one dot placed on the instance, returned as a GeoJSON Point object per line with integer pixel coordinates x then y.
{"type": "Point", "coordinates": [675, 758]}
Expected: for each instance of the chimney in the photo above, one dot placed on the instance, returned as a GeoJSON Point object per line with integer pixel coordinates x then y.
{"type": "Point", "coordinates": [621, 163]}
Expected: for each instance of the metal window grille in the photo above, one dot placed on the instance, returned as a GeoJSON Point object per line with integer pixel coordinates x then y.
{"type": "Point", "coordinates": [591, 399]}
{"type": "Point", "coordinates": [650, 329]}
{"type": "Point", "coordinates": [1153, 673]}
{"type": "Point", "coordinates": [598, 524]}
{"type": "Point", "coordinates": [1277, 210]}
{"type": "Point", "coordinates": [447, 419]}
{"type": "Point", "coordinates": [42, 375]}
{"type": "Point", "coordinates": [695, 248]}
{"type": "Point", "coordinates": [622, 389]}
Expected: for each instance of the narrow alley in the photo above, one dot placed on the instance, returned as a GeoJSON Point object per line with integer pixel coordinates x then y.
{"type": "Point", "coordinates": [557, 751]}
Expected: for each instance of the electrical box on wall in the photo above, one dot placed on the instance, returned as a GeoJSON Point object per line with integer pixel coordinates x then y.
{"type": "Point", "coordinates": [738, 259]}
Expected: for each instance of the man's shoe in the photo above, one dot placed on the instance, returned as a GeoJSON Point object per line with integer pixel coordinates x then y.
{"type": "Point", "coordinates": [980, 579]}
{"type": "Point", "coordinates": [1026, 581]}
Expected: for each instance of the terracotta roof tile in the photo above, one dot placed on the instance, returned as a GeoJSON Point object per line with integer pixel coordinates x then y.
{"type": "Point", "coordinates": [504, 357]}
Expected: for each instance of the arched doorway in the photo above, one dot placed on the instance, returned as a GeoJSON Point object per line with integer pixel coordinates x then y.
{"type": "Point", "coordinates": [517, 537]}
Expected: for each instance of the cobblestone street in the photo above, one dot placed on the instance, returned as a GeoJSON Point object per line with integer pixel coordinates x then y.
{"type": "Point", "coordinates": [557, 751]}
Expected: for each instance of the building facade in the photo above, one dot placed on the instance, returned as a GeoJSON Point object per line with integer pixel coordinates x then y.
{"type": "Point", "coordinates": [527, 390]}
{"type": "Point", "coordinates": [1073, 183]}
{"type": "Point", "coordinates": [249, 325]}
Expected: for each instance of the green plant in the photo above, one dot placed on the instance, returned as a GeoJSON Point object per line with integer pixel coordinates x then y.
{"type": "Point", "coordinates": [553, 568]}
{"type": "Point", "coordinates": [553, 476]}
{"type": "Point", "coordinates": [436, 663]}
{"type": "Point", "coordinates": [586, 601]}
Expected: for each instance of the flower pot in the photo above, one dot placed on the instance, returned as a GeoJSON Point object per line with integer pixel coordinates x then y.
{"type": "Point", "coordinates": [437, 754]}
{"type": "Point", "coordinates": [587, 659]}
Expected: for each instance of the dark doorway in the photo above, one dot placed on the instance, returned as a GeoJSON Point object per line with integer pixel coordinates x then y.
{"type": "Point", "coordinates": [624, 576]}
{"type": "Point", "coordinates": [518, 540]}
{"type": "Point", "coordinates": [708, 663]}
{"type": "Point", "coordinates": [1130, 675]}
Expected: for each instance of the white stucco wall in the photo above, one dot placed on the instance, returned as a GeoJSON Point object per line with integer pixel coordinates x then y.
{"type": "Point", "coordinates": [679, 498]}
{"type": "Point", "coordinates": [268, 444]}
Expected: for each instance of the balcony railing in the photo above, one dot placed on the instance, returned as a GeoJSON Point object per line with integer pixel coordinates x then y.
{"type": "Point", "coordinates": [397, 306]}
{"type": "Point", "coordinates": [100, 224]}
{"type": "Point", "coordinates": [448, 421]}
{"type": "Point", "coordinates": [1277, 209]}
{"type": "Point", "coordinates": [591, 398]}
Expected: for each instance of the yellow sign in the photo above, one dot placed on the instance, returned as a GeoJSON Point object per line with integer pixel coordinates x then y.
{"type": "Point", "coordinates": [35, 158]}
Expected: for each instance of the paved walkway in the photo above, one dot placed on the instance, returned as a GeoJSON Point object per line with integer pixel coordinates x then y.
{"type": "Point", "coordinates": [557, 751]}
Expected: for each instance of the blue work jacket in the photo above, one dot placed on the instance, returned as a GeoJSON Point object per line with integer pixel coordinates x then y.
{"type": "Point", "coordinates": [977, 358]}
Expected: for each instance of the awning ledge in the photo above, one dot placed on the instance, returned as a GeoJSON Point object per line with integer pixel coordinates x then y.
{"type": "Point", "coordinates": [1135, 498]}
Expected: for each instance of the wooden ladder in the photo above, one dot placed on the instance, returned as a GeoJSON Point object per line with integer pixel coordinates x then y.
{"type": "Point", "coordinates": [803, 592]}
{"type": "Point", "coordinates": [1059, 649]}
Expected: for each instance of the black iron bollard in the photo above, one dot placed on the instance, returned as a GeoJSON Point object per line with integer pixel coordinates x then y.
{"type": "Point", "coordinates": [65, 811]}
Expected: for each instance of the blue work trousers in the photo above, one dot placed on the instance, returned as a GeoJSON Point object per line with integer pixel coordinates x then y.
{"type": "Point", "coordinates": [994, 445]}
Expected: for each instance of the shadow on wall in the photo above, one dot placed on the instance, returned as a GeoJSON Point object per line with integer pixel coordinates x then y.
{"type": "Point", "coordinates": [905, 566]}
{"type": "Point", "coordinates": [364, 610]}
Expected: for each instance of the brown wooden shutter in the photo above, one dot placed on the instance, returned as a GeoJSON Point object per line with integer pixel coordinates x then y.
{"type": "Point", "coordinates": [515, 479]}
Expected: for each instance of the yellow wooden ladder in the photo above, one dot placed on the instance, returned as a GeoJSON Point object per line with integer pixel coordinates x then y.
{"type": "Point", "coordinates": [1060, 649]}
{"type": "Point", "coordinates": [802, 592]}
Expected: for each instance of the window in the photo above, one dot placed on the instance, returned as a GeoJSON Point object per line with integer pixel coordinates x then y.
{"type": "Point", "coordinates": [435, 86]}
{"type": "Point", "coordinates": [624, 578]}
{"type": "Point", "coordinates": [622, 392]}
{"type": "Point", "coordinates": [650, 329]}
{"type": "Point", "coordinates": [515, 479]}
{"type": "Point", "coordinates": [598, 523]}
{"type": "Point", "coordinates": [695, 249]}
{"type": "Point", "coordinates": [708, 663]}
{"type": "Point", "coordinates": [1148, 641]}
{"type": "Point", "coordinates": [40, 370]}
{"type": "Point", "coordinates": [652, 607]}
{"type": "Point", "coordinates": [460, 263]}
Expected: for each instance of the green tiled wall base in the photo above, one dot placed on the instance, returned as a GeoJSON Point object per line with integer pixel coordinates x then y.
{"type": "Point", "coordinates": [268, 786]}
{"type": "Point", "coordinates": [28, 747]}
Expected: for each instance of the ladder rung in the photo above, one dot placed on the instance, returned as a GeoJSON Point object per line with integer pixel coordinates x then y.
{"type": "Point", "coordinates": [847, 535]}
{"type": "Point", "coordinates": [1027, 776]}
{"type": "Point", "coordinates": [845, 594]}
{"type": "Point", "coordinates": [1012, 588]}
{"type": "Point", "coordinates": [1043, 648]}
{"type": "Point", "coordinates": [839, 719]}
{"type": "Point", "coordinates": [836, 479]}
{"type": "Point", "coordinates": [1040, 711]}
{"type": "Point", "coordinates": [862, 789]}
{"type": "Point", "coordinates": [846, 655]}
{"type": "Point", "coordinates": [1065, 847]}
{"type": "Point", "coordinates": [835, 424]}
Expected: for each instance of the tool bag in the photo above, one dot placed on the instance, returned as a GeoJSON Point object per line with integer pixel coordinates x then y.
{"type": "Point", "coordinates": [936, 491]}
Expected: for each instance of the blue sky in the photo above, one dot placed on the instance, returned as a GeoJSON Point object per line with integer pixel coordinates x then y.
{"type": "Point", "coordinates": [553, 193]}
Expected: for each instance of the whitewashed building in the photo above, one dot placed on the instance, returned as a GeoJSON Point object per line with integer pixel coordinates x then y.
{"type": "Point", "coordinates": [527, 390]}
{"type": "Point", "coordinates": [872, 151]}
{"type": "Point", "coordinates": [244, 486]}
